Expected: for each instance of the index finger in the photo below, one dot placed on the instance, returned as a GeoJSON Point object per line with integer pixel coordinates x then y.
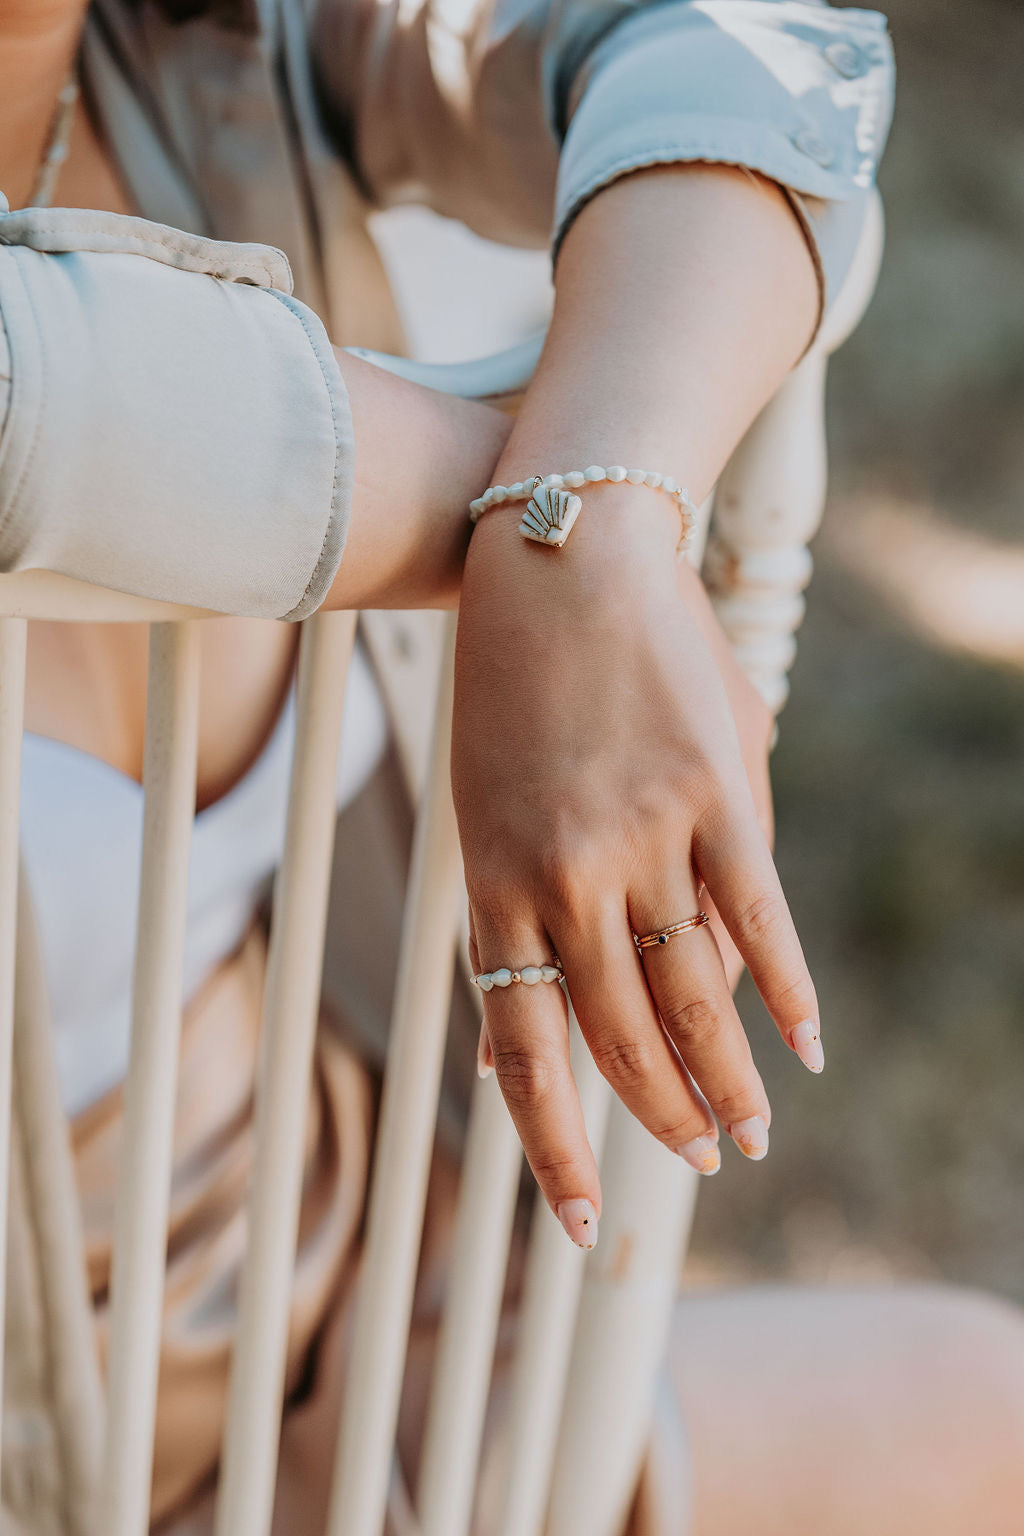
{"type": "Point", "coordinates": [528, 1027]}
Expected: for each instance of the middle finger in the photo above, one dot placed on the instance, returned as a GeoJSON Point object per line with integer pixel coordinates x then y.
{"type": "Point", "coordinates": [625, 1037]}
{"type": "Point", "coordinates": [691, 992]}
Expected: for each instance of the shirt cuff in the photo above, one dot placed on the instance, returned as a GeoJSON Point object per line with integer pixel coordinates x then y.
{"type": "Point", "coordinates": [795, 90]}
{"type": "Point", "coordinates": [176, 424]}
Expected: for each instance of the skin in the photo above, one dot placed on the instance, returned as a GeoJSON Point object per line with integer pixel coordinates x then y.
{"type": "Point", "coordinates": [600, 774]}
{"type": "Point", "coordinates": [897, 1411]}
{"type": "Point", "coordinates": [623, 787]}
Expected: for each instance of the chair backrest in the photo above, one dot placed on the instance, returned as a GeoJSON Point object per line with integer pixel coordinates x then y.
{"type": "Point", "coordinates": [592, 1331]}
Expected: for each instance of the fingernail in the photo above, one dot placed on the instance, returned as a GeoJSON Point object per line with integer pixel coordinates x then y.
{"type": "Point", "coordinates": [751, 1136]}
{"type": "Point", "coordinates": [702, 1153]}
{"type": "Point", "coordinates": [482, 1068]}
{"type": "Point", "coordinates": [806, 1041]}
{"type": "Point", "coordinates": [579, 1219]}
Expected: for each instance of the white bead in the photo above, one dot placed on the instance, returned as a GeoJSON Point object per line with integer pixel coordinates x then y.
{"type": "Point", "coordinates": [635, 476]}
{"type": "Point", "coordinates": [478, 506]}
{"type": "Point", "coordinates": [498, 492]}
{"type": "Point", "coordinates": [594, 473]}
{"type": "Point", "coordinates": [515, 491]}
{"type": "Point", "coordinates": [551, 483]}
{"type": "Point", "coordinates": [502, 978]}
{"type": "Point", "coordinates": [484, 983]}
{"type": "Point", "coordinates": [669, 485]}
{"type": "Point", "coordinates": [549, 972]}
{"type": "Point", "coordinates": [574, 478]}
{"type": "Point", "coordinates": [530, 975]}
{"type": "Point", "coordinates": [616, 474]}
{"type": "Point", "coordinates": [652, 479]}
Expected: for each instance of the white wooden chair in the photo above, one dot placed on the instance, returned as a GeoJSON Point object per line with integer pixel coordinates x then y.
{"type": "Point", "coordinates": [593, 1330]}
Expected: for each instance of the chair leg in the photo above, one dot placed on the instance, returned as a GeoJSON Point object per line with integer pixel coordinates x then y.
{"type": "Point", "coordinates": [554, 1277]}
{"type": "Point", "coordinates": [403, 1149]}
{"type": "Point", "coordinates": [290, 1010]}
{"type": "Point", "coordinates": [621, 1331]}
{"type": "Point", "coordinates": [465, 1355]}
{"type": "Point", "coordinates": [140, 1222]}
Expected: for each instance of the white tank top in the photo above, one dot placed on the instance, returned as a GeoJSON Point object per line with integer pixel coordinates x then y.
{"type": "Point", "coordinates": [81, 837]}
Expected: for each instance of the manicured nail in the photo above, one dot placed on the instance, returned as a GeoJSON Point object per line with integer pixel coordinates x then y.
{"type": "Point", "coordinates": [702, 1153]}
{"type": "Point", "coordinates": [751, 1136]}
{"type": "Point", "coordinates": [482, 1069]}
{"type": "Point", "coordinates": [579, 1219]}
{"type": "Point", "coordinates": [806, 1041]}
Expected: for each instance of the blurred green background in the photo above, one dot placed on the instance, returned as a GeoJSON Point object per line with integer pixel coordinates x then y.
{"type": "Point", "coordinates": [900, 767]}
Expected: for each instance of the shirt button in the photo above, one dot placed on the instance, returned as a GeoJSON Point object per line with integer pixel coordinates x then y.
{"type": "Point", "coordinates": [846, 59]}
{"type": "Point", "coordinates": [811, 144]}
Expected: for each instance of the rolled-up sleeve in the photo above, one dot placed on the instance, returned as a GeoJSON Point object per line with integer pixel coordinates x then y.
{"type": "Point", "coordinates": [174, 422]}
{"type": "Point", "coordinates": [511, 114]}
{"type": "Point", "coordinates": [796, 90]}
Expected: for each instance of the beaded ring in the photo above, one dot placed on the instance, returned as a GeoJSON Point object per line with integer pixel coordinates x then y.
{"type": "Point", "coordinates": [528, 975]}
{"type": "Point", "coordinates": [553, 507]}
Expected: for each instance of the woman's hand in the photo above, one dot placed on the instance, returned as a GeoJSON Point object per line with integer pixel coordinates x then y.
{"type": "Point", "coordinates": [599, 782]}
{"type": "Point", "coordinates": [597, 771]}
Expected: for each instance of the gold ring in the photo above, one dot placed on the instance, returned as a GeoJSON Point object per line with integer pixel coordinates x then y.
{"type": "Point", "coordinates": [662, 935]}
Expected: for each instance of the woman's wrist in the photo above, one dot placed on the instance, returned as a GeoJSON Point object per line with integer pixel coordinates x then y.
{"type": "Point", "coordinates": [623, 543]}
{"type": "Point", "coordinates": [420, 458]}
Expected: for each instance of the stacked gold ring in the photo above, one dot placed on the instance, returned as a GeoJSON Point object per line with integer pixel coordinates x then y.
{"type": "Point", "coordinates": [662, 935]}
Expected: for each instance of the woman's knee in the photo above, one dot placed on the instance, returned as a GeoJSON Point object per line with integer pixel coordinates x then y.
{"type": "Point", "coordinates": [976, 1345]}
{"type": "Point", "coordinates": [890, 1410]}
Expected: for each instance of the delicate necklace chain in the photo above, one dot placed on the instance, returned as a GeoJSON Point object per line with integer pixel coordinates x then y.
{"type": "Point", "coordinates": [57, 143]}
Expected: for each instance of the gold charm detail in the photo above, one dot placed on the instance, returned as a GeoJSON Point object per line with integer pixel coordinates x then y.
{"type": "Point", "coordinates": [549, 516]}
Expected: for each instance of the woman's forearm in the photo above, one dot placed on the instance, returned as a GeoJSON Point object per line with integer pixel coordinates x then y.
{"type": "Point", "coordinates": [660, 352]}
{"type": "Point", "coordinates": [421, 457]}
{"type": "Point", "coordinates": [684, 294]}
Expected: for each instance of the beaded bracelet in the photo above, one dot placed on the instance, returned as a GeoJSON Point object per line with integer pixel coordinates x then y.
{"type": "Point", "coordinates": [553, 507]}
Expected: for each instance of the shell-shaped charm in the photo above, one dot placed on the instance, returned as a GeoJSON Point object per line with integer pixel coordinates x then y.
{"type": "Point", "coordinates": [549, 516]}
